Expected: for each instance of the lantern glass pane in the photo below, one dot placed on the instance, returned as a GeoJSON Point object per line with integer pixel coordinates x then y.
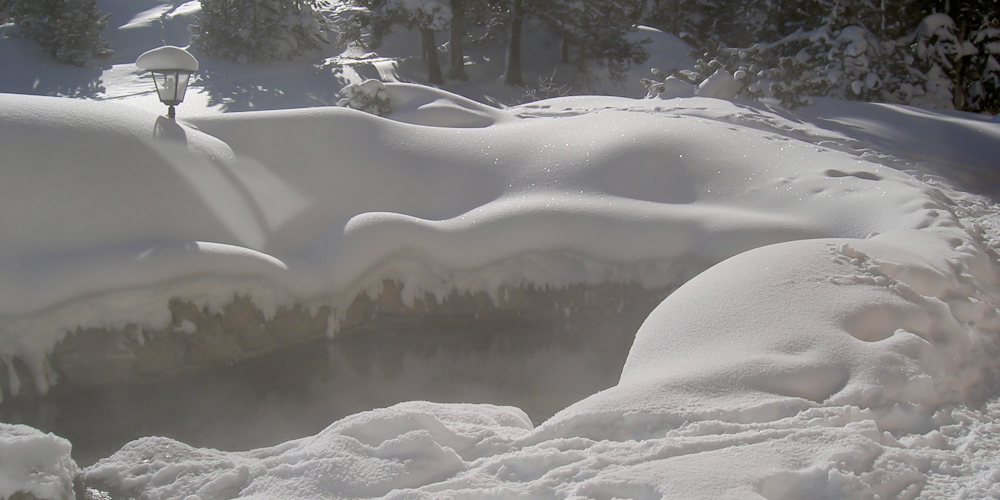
{"type": "Point", "coordinates": [182, 85]}
{"type": "Point", "coordinates": [171, 86]}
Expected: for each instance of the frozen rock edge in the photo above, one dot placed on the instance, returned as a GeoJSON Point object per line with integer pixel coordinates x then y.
{"type": "Point", "coordinates": [198, 337]}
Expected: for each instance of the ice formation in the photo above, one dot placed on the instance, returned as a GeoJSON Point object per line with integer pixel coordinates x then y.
{"type": "Point", "coordinates": [35, 463]}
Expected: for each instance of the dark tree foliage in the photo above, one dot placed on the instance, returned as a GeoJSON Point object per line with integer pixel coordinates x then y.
{"type": "Point", "coordinates": [976, 69]}
{"type": "Point", "coordinates": [373, 21]}
{"type": "Point", "coordinates": [69, 31]}
{"type": "Point", "coordinates": [930, 52]}
{"type": "Point", "coordinates": [259, 31]}
{"type": "Point", "coordinates": [680, 17]}
{"type": "Point", "coordinates": [597, 29]}
{"type": "Point", "coordinates": [456, 41]}
{"type": "Point", "coordinates": [983, 69]}
{"type": "Point", "coordinates": [512, 62]}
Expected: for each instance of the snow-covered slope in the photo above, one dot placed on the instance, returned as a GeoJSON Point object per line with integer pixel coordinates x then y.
{"type": "Point", "coordinates": [640, 190]}
{"type": "Point", "coordinates": [835, 333]}
{"type": "Point", "coordinates": [844, 339]}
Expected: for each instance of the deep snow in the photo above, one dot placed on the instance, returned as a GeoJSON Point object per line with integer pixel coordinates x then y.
{"type": "Point", "coordinates": [835, 336]}
{"type": "Point", "coordinates": [851, 308]}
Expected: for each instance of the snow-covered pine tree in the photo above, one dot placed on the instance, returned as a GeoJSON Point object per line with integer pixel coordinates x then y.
{"type": "Point", "coordinates": [941, 53]}
{"type": "Point", "coordinates": [259, 31]}
{"type": "Point", "coordinates": [69, 31]}
{"type": "Point", "coordinates": [975, 22]}
{"type": "Point", "coordinates": [361, 23]}
{"type": "Point", "coordinates": [937, 52]}
{"type": "Point", "coordinates": [833, 55]}
{"type": "Point", "coordinates": [983, 92]}
{"type": "Point", "coordinates": [825, 48]}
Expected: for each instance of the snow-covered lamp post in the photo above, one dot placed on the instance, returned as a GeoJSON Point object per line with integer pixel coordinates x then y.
{"type": "Point", "coordinates": [171, 68]}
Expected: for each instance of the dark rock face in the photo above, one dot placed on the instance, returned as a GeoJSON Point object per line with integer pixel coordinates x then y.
{"type": "Point", "coordinates": [198, 339]}
{"type": "Point", "coordinates": [195, 339]}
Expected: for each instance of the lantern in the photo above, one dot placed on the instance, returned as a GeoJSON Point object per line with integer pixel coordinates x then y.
{"type": "Point", "coordinates": [171, 68]}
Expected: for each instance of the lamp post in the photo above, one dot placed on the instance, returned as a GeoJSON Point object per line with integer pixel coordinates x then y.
{"type": "Point", "coordinates": [171, 68]}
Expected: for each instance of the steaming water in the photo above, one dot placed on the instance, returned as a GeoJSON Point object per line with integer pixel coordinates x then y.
{"type": "Point", "coordinates": [540, 362]}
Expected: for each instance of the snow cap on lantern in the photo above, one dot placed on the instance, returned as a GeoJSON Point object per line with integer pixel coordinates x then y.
{"type": "Point", "coordinates": [171, 68]}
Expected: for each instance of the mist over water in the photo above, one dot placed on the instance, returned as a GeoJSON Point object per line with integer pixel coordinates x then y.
{"type": "Point", "coordinates": [540, 361]}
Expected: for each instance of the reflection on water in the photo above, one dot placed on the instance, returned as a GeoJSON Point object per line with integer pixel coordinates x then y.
{"type": "Point", "coordinates": [538, 362]}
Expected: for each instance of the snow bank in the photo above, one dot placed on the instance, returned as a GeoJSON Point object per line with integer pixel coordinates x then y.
{"type": "Point", "coordinates": [405, 446]}
{"type": "Point", "coordinates": [35, 463]}
{"type": "Point", "coordinates": [304, 204]}
{"type": "Point", "coordinates": [827, 366]}
{"type": "Point", "coordinates": [901, 318]}
{"type": "Point", "coordinates": [842, 343]}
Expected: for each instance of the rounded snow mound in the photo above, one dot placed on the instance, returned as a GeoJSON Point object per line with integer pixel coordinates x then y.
{"type": "Point", "coordinates": [428, 106]}
{"type": "Point", "coordinates": [900, 318]}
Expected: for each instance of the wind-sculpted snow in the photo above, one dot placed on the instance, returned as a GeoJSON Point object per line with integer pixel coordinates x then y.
{"type": "Point", "coordinates": [841, 343]}
{"type": "Point", "coordinates": [100, 198]}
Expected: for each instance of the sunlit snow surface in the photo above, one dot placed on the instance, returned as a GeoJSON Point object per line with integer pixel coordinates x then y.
{"type": "Point", "coordinates": [842, 342]}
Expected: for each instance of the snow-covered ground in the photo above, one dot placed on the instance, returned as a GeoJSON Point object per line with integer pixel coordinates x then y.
{"type": "Point", "coordinates": [835, 333]}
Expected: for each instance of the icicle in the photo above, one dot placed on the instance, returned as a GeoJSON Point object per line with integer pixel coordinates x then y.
{"type": "Point", "coordinates": [13, 380]}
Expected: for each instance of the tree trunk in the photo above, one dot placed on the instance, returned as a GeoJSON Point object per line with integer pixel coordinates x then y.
{"type": "Point", "coordinates": [512, 69]}
{"type": "Point", "coordinates": [564, 50]}
{"type": "Point", "coordinates": [958, 96]}
{"type": "Point", "coordinates": [428, 47]}
{"type": "Point", "coordinates": [457, 33]}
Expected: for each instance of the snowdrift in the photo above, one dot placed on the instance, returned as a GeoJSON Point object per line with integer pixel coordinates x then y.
{"type": "Point", "coordinates": [843, 339]}
{"type": "Point", "coordinates": [287, 208]}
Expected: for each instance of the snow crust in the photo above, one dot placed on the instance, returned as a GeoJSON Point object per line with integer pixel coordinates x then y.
{"type": "Point", "coordinates": [35, 463]}
{"type": "Point", "coordinates": [842, 340]}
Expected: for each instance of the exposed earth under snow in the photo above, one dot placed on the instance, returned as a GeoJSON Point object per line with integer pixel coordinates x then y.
{"type": "Point", "coordinates": [834, 331]}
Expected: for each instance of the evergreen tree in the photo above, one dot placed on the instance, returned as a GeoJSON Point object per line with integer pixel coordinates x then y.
{"type": "Point", "coordinates": [685, 18]}
{"type": "Point", "coordinates": [512, 61]}
{"type": "Point", "coordinates": [834, 54]}
{"type": "Point", "coordinates": [377, 17]}
{"type": "Point", "coordinates": [597, 28]}
{"type": "Point", "coordinates": [428, 17]}
{"type": "Point", "coordinates": [976, 24]}
{"type": "Point", "coordinates": [69, 31]}
{"type": "Point", "coordinates": [937, 52]}
{"type": "Point", "coordinates": [456, 31]}
{"type": "Point", "coordinates": [983, 93]}
{"type": "Point", "coordinates": [942, 53]}
{"type": "Point", "coordinates": [258, 31]}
